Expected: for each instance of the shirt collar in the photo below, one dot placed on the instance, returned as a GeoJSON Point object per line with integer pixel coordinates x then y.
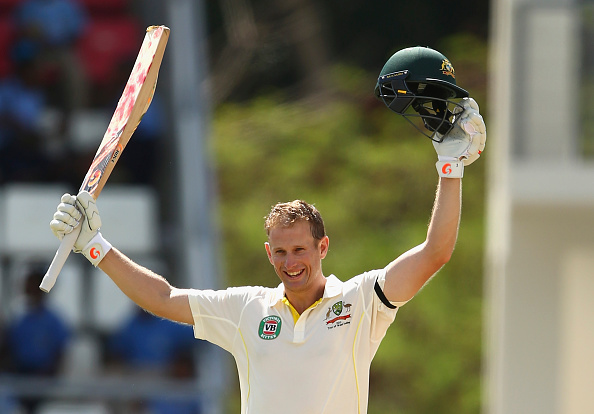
{"type": "Point", "coordinates": [332, 289]}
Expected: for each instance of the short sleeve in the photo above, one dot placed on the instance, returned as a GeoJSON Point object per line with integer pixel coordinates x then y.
{"type": "Point", "coordinates": [217, 313]}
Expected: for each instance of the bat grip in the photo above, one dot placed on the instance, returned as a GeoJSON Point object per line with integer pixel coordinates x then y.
{"type": "Point", "coordinates": [59, 259]}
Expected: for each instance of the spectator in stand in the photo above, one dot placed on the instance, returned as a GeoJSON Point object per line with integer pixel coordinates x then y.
{"type": "Point", "coordinates": [54, 27]}
{"type": "Point", "coordinates": [147, 342]}
{"type": "Point", "coordinates": [22, 101]}
{"type": "Point", "coordinates": [142, 159]}
{"type": "Point", "coordinates": [36, 338]}
{"type": "Point", "coordinates": [8, 404]}
{"type": "Point", "coordinates": [182, 368]}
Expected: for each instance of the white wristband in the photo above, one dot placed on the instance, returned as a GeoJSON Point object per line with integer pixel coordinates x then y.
{"type": "Point", "coordinates": [450, 167]}
{"type": "Point", "coordinates": [96, 249]}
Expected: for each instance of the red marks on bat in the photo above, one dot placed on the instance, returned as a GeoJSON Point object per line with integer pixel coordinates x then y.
{"type": "Point", "coordinates": [111, 148]}
{"type": "Point", "coordinates": [128, 99]}
{"type": "Point", "coordinates": [141, 77]}
{"type": "Point", "coordinates": [158, 31]}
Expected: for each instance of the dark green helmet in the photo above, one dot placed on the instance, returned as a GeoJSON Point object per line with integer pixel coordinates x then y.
{"type": "Point", "coordinates": [423, 79]}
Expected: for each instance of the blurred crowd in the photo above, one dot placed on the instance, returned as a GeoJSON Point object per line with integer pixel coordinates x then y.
{"type": "Point", "coordinates": [35, 337]}
{"type": "Point", "coordinates": [63, 66]}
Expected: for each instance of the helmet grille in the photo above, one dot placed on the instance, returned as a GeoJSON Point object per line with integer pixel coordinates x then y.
{"type": "Point", "coordinates": [429, 101]}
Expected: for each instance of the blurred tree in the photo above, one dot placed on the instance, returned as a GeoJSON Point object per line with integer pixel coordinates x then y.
{"type": "Point", "coordinates": [257, 46]}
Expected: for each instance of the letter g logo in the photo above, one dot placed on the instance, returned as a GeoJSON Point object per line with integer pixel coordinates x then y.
{"type": "Point", "coordinates": [94, 253]}
{"type": "Point", "coordinates": [447, 169]}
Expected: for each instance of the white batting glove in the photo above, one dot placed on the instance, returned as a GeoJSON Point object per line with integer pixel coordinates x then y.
{"type": "Point", "coordinates": [464, 143]}
{"type": "Point", "coordinates": [81, 210]}
{"type": "Point", "coordinates": [66, 217]}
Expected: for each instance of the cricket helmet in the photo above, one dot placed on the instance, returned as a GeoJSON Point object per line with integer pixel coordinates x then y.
{"type": "Point", "coordinates": [423, 79]}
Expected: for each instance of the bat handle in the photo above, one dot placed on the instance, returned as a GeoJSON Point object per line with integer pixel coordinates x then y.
{"type": "Point", "coordinates": [59, 259]}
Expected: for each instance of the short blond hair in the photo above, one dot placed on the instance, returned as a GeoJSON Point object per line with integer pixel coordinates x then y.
{"type": "Point", "coordinates": [289, 213]}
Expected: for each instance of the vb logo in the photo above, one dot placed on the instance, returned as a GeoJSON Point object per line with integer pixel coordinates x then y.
{"type": "Point", "coordinates": [447, 169]}
{"type": "Point", "coordinates": [270, 327]}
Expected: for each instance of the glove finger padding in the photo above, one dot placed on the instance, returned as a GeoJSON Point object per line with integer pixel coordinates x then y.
{"type": "Point", "coordinates": [67, 204]}
{"type": "Point", "coordinates": [470, 104]}
{"type": "Point", "coordinates": [466, 140]}
{"type": "Point", "coordinates": [59, 227]}
{"type": "Point", "coordinates": [66, 217]}
{"type": "Point", "coordinates": [475, 128]}
{"type": "Point", "coordinates": [454, 144]}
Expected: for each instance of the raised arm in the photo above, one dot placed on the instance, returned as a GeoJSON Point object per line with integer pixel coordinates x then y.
{"type": "Point", "coordinates": [408, 273]}
{"type": "Point", "coordinates": [147, 289]}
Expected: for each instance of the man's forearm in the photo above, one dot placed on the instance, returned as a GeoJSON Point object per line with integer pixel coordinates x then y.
{"type": "Point", "coordinates": [147, 289]}
{"type": "Point", "coordinates": [445, 218]}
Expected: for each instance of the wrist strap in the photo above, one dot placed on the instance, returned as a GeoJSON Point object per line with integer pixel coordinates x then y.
{"type": "Point", "coordinates": [96, 250]}
{"type": "Point", "coordinates": [450, 168]}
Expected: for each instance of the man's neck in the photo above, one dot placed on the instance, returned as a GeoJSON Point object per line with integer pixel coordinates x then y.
{"type": "Point", "coordinates": [302, 301]}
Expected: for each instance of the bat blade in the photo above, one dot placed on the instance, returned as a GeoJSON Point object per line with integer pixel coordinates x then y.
{"type": "Point", "coordinates": [133, 104]}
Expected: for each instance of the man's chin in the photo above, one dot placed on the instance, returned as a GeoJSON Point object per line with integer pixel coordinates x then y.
{"type": "Point", "coordinates": [294, 282]}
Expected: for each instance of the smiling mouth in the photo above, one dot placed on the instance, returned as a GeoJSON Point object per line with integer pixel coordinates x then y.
{"type": "Point", "coordinates": [294, 274]}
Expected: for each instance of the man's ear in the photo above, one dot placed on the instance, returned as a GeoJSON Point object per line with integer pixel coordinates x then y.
{"type": "Point", "coordinates": [268, 252]}
{"type": "Point", "coordinates": [324, 246]}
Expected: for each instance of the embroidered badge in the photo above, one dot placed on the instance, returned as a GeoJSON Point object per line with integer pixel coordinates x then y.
{"type": "Point", "coordinates": [338, 319]}
{"type": "Point", "coordinates": [448, 69]}
{"type": "Point", "coordinates": [270, 327]}
{"type": "Point", "coordinates": [337, 308]}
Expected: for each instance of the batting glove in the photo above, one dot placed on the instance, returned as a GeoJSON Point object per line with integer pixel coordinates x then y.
{"type": "Point", "coordinates": [464, 144]}
{"type": "Point", "coordinates": [66, 217]}
{"type": "Point", "coordinates": [81, 210]}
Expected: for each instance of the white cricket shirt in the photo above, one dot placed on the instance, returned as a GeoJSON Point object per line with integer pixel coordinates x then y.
{"type": "Point", "coordinates": [316, 365]}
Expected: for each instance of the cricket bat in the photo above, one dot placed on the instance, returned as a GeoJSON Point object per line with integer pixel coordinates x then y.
{"type": "Point", "coordinates": [133, 104]}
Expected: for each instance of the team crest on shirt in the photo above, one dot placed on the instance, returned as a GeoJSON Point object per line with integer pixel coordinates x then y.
{"type": "Point", "coordinates": [338, 314]}
{"type": "Point", "coordinates": [270, 327]}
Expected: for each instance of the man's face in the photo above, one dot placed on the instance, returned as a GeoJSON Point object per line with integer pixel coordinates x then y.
{"type": "Point", "coordinates": [297, 257]}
